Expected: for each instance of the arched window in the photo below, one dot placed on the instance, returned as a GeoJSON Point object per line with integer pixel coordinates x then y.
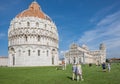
{"type": "Point", "coordinates": [51, 28]}
{"type": "Point", "coordinates": [79, 60]}
{"type": "Point", "coordinates": [37, 24]}
{"type": "Point", "coordinates": [19, 23]}
{"type": "Point", "coordinates": [38, 52]}
{"type": "Point", "coordinates": [47, 43]}
{"type": "Point", "coordinates": [26, 38]}
{"type": "Point", "coordinates": [19, 52]}
{"type": "Point", "coordinates": [13, 60]}
{"type": "Point", "coordinates": [28, 52]}
{"type": "Point", "coordinates": [28, 24]}
{"type": "Point", "coordinates": [38, 38]}
{"type": "Point", "coordinates": [74, 60]}
{"type": "Point", "coordinates": [47, 52]}
{"type": "Point", "coordinates": [45, 25]}
{"type": "Point", "coordinates": [53, 60]}
{"type": "Point", "coordinates": [53, 54]}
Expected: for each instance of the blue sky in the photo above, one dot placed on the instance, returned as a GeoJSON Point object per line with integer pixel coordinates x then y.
{"type": "Point", "coordinates": [88, 22]}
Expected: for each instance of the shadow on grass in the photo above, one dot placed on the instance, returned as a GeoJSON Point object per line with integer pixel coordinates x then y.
{"type": "Point", "coordinates": [69, 77]}
{"type": "Point", "coordinates": [101, 70]}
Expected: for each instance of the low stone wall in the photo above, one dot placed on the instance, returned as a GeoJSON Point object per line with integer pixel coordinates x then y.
{"type": "Point", "coordinates": [3, 61]}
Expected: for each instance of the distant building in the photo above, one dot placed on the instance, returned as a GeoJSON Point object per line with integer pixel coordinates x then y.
{"type": "Point", "coordinates": [114, 60]}
{"type": "Point", "coordinates": [78, 54]}
{"type": "Point", "coordinates": [3, 61]}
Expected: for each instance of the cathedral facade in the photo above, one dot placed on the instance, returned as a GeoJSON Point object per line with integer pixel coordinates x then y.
{"type": "Point", "coordinates": [81, 54]}
{"type": "Point", "coordinates": [33, 39]}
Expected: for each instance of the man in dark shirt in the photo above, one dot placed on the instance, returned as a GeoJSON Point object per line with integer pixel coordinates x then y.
{"type": "Point", "coordinates": [104, 66]}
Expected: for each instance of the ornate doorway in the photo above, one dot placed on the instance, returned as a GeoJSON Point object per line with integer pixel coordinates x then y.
{"type": "Point", "coordinates": [53, 56]}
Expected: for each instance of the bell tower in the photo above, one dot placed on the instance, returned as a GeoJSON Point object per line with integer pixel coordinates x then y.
{"type": "Point", "coordinates": [102, 52]}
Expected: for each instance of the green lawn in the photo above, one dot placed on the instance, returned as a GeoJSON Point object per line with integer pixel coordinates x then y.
{"type": "Point", "coordinates": [49, 75]}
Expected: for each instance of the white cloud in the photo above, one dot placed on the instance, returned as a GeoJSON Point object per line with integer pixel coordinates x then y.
{"type": "Point", "coordinates": [106, 31]}
{"type": "Point", "coordinates": [103, 12]}
{"type": "Point", "coordinates": [109, 19]}
{"type": "Point", "coordinates": [61, 54]}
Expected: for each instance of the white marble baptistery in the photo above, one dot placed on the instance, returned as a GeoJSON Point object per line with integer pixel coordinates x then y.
{"type": "Point", "coordinates": [33, 39]}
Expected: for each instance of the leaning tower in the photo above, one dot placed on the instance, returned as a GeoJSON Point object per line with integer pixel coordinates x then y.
{"type": "Point", "coordinates": [33, 39]}
{"type": "Point", "coordinates": [102, 53]}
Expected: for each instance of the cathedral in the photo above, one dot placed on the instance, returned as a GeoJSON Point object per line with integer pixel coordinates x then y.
{"type": "Point", "coordinates": [81, 54]}
{"type": "Point", "coordinates": [33, 39]}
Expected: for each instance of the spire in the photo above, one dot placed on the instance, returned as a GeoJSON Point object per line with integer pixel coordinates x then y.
{"type": "Point", "coordinates": [34, 6]}
{"type": "Point", "coordinates": [34, 1]}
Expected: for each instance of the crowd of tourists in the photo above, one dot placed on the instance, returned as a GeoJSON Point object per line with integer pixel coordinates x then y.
{"type": "Point", "coordinates": [77, 69]}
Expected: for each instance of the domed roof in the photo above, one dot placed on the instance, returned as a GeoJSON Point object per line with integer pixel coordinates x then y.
{"type": "Point", "coordinates": [73, 45]}
{"type": "Point", "coordinates": [33, 10]}
{"type": "Point", "coordinates": [85, 47]}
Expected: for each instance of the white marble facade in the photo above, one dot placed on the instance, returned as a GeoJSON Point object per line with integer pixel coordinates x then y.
{"type": "Point", "coordinates": [81, 54]}
{"type": "Point", "coordinates": [33, 39]}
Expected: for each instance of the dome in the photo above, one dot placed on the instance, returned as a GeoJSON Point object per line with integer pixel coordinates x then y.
{"type": "Point", "coordinates": [73, 46]}
{"type": "Point", "coordinates": [33, 10]}
{"type": "Point", "coordinates": [85, 47]}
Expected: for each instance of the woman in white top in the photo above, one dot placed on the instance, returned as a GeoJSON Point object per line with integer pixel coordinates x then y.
{"type": "Point", "coordinates": [109, 68]}
{"type": "Point", "coordinates": [79, 72]}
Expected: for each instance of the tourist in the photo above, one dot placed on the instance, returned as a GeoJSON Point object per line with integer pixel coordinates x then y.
{"type": "Point", "coordinates": [90, 64]}
{"type": "Point", "coordinates": [63, 65]}
{"type": "Point", "coordinates": [104, 66]}
{"type": "Point", "coordinates": [109, 67]}
{"type": "Point", "coordinates": [73, 71]}
{"type": "Point", "coordinates": [79, 72]}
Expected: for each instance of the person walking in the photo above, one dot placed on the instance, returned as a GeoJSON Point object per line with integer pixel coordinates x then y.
{"type": "Point", "coordinates": [63, 65]}
{"type": "Point", "coordinates": [104, 67]}
{"type": "Point", "coordinates": [73, 71]}
{"type": "Point", "coordinates": [109, 67]}
{"type": "Point", "coordinates": [79, 72]}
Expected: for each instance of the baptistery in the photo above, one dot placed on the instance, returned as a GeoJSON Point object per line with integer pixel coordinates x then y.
{"type": "Point", "coordinates": [33, 39]}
